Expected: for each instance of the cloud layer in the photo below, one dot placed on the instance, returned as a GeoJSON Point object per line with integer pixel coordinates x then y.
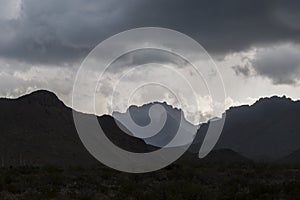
{"type": "Point", "coordinates": [42, 43]}
{"type": "Point", "coordinates": [280, 64]}
{"type": "Point", "coordinates": [61, 32]}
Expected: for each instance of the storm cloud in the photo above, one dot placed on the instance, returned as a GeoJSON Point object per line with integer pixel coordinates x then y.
{"type": "Point", "coordinates": [62, 32]}
{"type": "Point", "coordinates": [280, 64]}
{"type": "Point", "coordinates": [42, 43]}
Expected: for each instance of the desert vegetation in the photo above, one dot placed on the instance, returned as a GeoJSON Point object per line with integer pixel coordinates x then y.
{"type": "Point", "coordinates": [178, 181]}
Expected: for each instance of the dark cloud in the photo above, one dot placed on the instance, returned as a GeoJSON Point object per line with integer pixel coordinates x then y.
{"type": "Point", "coordinates": [242, 70]}
{"type": "Point", "coordinates": [281, 64]}
{"type": "Point", "coordinates": [146, 56]}
{"type": "Point", "coordinates": [60, 32]}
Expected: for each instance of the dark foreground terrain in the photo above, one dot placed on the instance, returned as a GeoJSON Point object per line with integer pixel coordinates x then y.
{"type": "Point", "coordinates": [201, 181]}
{"type": "Point", "coordinates": [38, 130]}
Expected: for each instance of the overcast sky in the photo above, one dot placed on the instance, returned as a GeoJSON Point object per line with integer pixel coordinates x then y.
{"type": "Point", "coordinates": [255, 44]}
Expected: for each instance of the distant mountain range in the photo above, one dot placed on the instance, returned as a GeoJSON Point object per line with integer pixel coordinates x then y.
{"type": "Point", "coordinates": [39, 129]}
{"type": "Point", "coordinates": [164, 125]}
{"type": "Point", "coordinates": [267, 130]}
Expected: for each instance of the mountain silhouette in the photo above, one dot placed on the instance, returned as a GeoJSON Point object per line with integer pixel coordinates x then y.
{"type": "Point", "coordinates": [38, 129]}
{"type": "Point", "coordinates": [166, 122]}
{"type": "Point", "coordinates": [293, 158]}
{"type": "Point", "coordinates": [267, 130]}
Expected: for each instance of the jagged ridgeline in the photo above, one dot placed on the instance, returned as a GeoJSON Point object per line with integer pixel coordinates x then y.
{"type": "Point", "coordinates": [38, 129]}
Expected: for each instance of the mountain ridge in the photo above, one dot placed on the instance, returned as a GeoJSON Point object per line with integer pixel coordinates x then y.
{"type": "Point", "coordinates": [260, 125]}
